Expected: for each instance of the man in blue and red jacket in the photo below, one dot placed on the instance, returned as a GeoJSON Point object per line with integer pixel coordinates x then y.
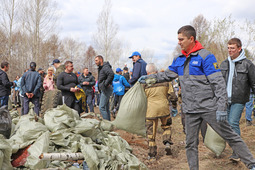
{"type": "Point", "coordinates": [204, 96]}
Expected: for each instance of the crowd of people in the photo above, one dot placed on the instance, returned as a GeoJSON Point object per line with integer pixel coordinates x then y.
{"type": "Point", "coordinates": [210, 93]}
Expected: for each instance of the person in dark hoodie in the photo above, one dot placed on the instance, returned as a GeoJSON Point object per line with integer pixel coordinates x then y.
{"type": "Point", "coordinates": [30, 85]}
{"type": "Point", "coordinates": [105, 77]}
{"type": "Point", "coordinates": [87, 81]}
{"type": "Point", "coordinates": [5, 84]}
{"type": "Point", "coordinates": [139, 67]}
{"type": "Point", "coordinates": [119, 83]}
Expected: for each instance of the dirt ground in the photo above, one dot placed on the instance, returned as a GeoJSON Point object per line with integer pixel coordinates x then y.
{"type": "Point", "coordinates": [178, 160]}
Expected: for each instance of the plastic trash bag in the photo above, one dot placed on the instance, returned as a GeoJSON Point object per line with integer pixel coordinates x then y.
{"type": "Point", "coordinates": [61, 117]}
{"type": "Point", "coordinates": [5, 154]}
{"type": "Point", "coordinates": [214, 142]}
{"type": "Point", "coordinates": [5, 122]}
{"type": "Point", "coordinates": [132, 112]}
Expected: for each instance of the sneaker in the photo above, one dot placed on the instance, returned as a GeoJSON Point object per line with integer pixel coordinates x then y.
{"type": "Point", "coordinates": [168, 149]}
{"type": "Point", "coordinates": [248, 123]}
{"type": "Point", "coordinates": [234, 158]}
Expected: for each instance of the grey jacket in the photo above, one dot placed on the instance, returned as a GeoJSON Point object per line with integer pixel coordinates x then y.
{"type": "Point", "coordinates": [202, 84]}
{"type": "Point", "coordinates": [90, 79]}
{"type": "Point", "coordinates": [243, 80]}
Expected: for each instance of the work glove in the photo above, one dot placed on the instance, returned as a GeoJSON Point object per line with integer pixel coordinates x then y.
{"type": "Point", "coordinates": [142, 79]}
{"type": "Point", "coordinates": [221, 116]}
{"type": "Point", "coordinates": [174, 112]}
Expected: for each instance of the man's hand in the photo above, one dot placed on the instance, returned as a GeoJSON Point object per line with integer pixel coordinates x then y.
{"type": "Point", "coordinates": [221, 116]}
{"type": "Point", "coordinates": [73, 89]}
{"type": "Point", "coordinates": [85, 83]}
{"type": "Point", "coordinates": [142, 79]}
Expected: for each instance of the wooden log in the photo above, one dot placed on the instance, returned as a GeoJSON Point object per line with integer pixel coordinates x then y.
{"type": "Point", "coordinates": [61, 156]}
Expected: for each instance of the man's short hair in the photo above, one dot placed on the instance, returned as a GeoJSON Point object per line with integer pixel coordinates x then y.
{"type": "Point", "coordinates": [151, 68]}
{"type": "Point", "coordinates": [100, 57]}
{"type": "Point", "coordinates": [188, 31]}
{"type": "Point", "coordinates": [236, 41]}
{"type": "Point", "coordinates": [68, 62]}
{"type": "Point", "coordinates": [32, 66]}
{"type": "Point", "coordinates": [85, 68]}
{"type": "Point", "coordinates": [3, 64]}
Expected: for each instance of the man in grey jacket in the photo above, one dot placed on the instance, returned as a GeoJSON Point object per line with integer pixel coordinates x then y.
{"type": "Point", "coordinates": [204, 96]}
{"type": "Point", "coordinates": [87, 81]}
{"type": "Point", "coordinates": [239, 74]}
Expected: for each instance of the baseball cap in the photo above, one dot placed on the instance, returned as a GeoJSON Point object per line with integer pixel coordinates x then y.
{"type": "Point", "coordinates": [125, 68]}
{"type": "Point", "coordinates": [39, 69]}
{"type": "Point", "coordinates": [55, 61]}
{"type": "Point", "coordinates": [118, 70]}
{"type": "Point", "coordinates": [135, 53]}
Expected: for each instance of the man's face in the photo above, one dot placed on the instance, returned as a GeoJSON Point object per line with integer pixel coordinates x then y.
{"type": "Point", "coordinates": [69, 68]}
{"type": "Point", "coordinates": [6, 68]}
{"type": "Point", "coordinates": [98, 61]}
{"type": "Point", "coordinates": [234, 51]}
{"type": "Point", "coordinates": [86, 72]}
{"type": "Point", "coordinates": [135, 58]}
{"type": "Point", "coordinates": [41, 72]}
{"type": "Point", "coordinates": [185, 42]}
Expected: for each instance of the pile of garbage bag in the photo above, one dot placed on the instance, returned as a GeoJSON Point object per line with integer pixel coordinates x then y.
{"type": "Point", "coordinates": [63, 131]}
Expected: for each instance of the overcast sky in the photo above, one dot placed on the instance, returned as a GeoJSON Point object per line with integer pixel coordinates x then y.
{"type": "Point", "coordinates": [150, 24]}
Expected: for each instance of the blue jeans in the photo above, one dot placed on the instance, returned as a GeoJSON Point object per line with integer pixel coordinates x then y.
{"type": "Point", "coordinates": [249, 107]}
{"type": "Point", "coordinates": [89, 102]}
{"type": "Point", "coordinates": [4, 100]}
{"type": "Point", "coordinates": [104, 103]}
{"type": "Point", "coordinates": [234, 115]}
{"type": "Point", "coordinates": [35, 101]}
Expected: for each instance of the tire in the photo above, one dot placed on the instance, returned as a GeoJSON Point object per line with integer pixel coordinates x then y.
{"type": "Point", "coordinates": [51, 99]}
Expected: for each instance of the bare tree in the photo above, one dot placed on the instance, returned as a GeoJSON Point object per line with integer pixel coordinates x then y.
{"type": "Point", "coordinates": [90, 55]}
{"type": "Point", "coordinates": [9, 14]}
{"type": "Point", "coordinates": [202, 27]}
{"type": "Point", "coordinates": [105, 39]}
{"type": "Point", "coordinates": [73, 50]}
{"type": "Point", "coordinates": [40, 19]}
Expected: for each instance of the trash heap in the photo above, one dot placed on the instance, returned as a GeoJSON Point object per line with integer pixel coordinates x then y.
{"type": "Point", "coordinates": [63, 131]}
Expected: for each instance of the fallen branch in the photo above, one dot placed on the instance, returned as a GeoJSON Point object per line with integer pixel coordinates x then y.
{"type": "Point", "coordinates": [61, 156]}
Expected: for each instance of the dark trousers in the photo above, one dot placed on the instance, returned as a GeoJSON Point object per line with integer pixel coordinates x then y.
{"type": "Point", "coordinates": [70, 101]}
{"type": "Point", "coordinates": [35, 101]}
{"type": "Point", "coordinates": [4, 100]}
{"type": "Point", "coordinates": [118, 100]}
{"type": "Point", "coordinates": [89, 101]}
{"type": "Point", "coordinates": [193, 122]}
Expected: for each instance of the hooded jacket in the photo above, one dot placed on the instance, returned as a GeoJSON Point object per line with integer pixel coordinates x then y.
{"type": "Point", "coordinates": [243, 79]}
{"type": "Point", "coordinates": [119, 83]}
{"type": "Point", "coordinates": [202, 83]}
{"type": "Point", "coordinates": [87, 88]}
{"type": "Point", "coordinates": [5, 84]}
{"type": "Point", "coordinates": [105, 76]}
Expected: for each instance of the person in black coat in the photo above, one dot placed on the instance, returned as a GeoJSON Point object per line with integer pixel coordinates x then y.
{"type": "Point", "coordinates": [5, 84]}
{"type": "Point", "coordinates": [105, 77]}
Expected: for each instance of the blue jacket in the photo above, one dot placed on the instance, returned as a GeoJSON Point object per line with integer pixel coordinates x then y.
{"type": "Point", "coordinates": [119, 83]}
{"type": "Point", "coordinates": [139, 69]}
{"type": "Point", "coordinates": [203, 86]}
{"type": "Point", "coordinates": [31, 83]}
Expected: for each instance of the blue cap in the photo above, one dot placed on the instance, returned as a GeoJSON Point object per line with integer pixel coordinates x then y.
{"type": "Point", "coordinates": [135, 53]}
{"type": "Point", "coordinates": [118, 70]}
{"type": "Point", "coordinates": [55, 61]}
